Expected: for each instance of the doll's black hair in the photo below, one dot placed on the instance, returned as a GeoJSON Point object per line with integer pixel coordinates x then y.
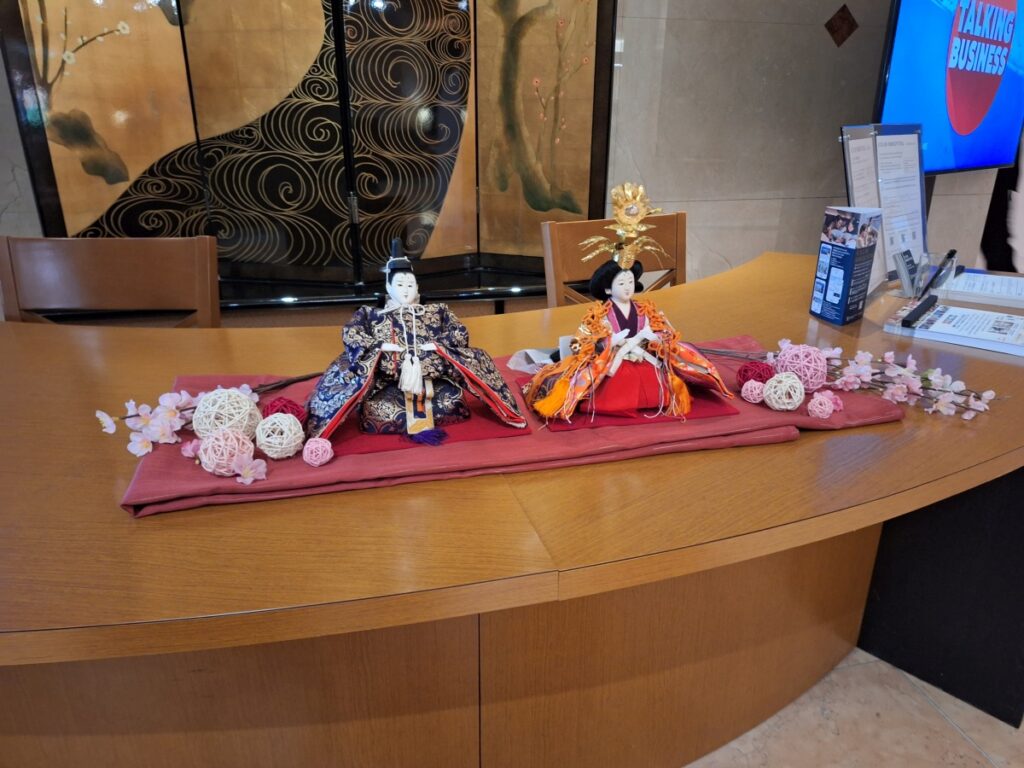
{"type": "Point", "coordinates": [603, 277]}
{"type": "Point", "coordinates": [397, 265]}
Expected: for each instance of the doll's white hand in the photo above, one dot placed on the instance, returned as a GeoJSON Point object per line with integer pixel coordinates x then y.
{"type": "Point", "coordinates": [647, 334]}
{"type": "Point", "coordinates": [620, 337]}
{"type": "Point", "coordinates": [387, 346]}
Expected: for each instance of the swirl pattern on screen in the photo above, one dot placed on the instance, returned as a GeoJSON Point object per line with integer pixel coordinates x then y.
{"type": "Point", "coordinates": [273, 190]}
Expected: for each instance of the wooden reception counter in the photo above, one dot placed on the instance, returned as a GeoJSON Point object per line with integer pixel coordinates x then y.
{"type": "Point", "coordinates": [628, 613]}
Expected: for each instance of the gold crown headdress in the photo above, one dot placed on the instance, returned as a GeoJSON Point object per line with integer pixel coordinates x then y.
{"type": "Point", "coordinates": [631, 206]}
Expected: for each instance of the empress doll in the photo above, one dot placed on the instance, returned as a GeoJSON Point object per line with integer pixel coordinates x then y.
{"type": "Point", "coordinates": [626, 356]}
{"type": "Point", "coordinates": [406, 369]}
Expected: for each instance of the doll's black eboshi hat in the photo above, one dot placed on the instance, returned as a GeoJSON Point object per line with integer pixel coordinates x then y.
{"type": "Point", "coordinates": [396, 262]}
{"type": "Point", "coordinates": [601, 280]}
{"type": "Point", "coordinates": [395, 266]}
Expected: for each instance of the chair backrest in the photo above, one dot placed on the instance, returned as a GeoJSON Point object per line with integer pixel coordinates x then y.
{"type": "Point", "coordinates": [562, 253]}
{"type": "Point", "coordinates": [132, 273]}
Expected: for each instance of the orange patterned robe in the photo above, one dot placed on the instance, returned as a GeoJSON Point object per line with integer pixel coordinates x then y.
{"type": "Point", "coordinates": [558, 389]}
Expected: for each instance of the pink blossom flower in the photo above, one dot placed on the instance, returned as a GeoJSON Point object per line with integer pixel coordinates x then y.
{"type": "Point", "coordinates": [937, 379]}
{"type": "Point", "coordinates": [139, 444]}
{"type": "Point", "coordinates": [911, 364]}
{"type": "Point", "coordinates": [895, 393]}
{"type": "Point", "coordinates": [144, 414]}
{"type": "Point", "coordinates": [170, 400]}
{"type": "Point", "coordinates": [783, 343]}
{"type": "Point", "coordinates": [889, 357]}
{"type": "Point", "coordinates": [912, 382]}
{"type": "Point", "coordinates": [863, 358]}
{"type": "Point", "coordinates": [108, 423]}
{"type": "Point", "coordinates": [975, 404]}
{"type": "Point", "coordinates": [861, 372]}
{"type": "Point", "coordinates": [191, 449]}
{"type": "Point", "coordinates": [249, 469]}
{"type": "Point", "coordinates": [171, 415]}
{"type": "Point", "coordinates": [957, 386]}
{"type": "Point", "coordinates": [944, 404]}
{"type": "Point", "coordinates": [161, 430]}
{"type": "Point", "coordinates": [847, 382]}
{"type": "Point", "coordinates": [130, 408]}
{"type": "Point", "coordinates": [987, 395]}
{"type": "Point", "coordinates": [968, 415]}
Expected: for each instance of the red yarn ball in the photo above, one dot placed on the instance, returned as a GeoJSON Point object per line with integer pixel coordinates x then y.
{"type": "Point", "coordinates": [285, 405]}
{"type": "Point", "coordinates": [754, 371]}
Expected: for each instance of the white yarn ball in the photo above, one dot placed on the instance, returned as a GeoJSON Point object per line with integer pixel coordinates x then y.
{"type": "Point", "coordinates": [783, 392]}
{"type": "Point", "coordinates": [218, 451]}
{"type": "Point", "coordinates": [280, 435]}
{"type": "Point", "coordinates": [225, 409]}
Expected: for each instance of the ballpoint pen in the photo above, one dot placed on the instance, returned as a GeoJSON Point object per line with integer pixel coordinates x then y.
{"type": "Point", "coordinates": [935, 275]}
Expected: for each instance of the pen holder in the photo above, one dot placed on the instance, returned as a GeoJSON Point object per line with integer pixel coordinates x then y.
{"type": "Point", "coordinates": [934, 269]}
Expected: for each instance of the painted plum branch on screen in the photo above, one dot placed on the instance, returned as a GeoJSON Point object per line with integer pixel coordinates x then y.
{"type": "Point", "coordinates": [536, 162]}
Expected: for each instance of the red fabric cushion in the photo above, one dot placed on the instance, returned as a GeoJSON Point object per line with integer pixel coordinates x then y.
{"type": "Point", "coordinates": [165, 481]}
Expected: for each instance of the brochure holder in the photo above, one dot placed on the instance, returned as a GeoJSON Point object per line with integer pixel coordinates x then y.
{"type": "Point", "coordinates": [883, 170]}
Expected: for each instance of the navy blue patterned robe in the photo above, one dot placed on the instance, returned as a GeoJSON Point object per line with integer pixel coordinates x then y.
{"type": "Point", "coordinates": [364, 377]}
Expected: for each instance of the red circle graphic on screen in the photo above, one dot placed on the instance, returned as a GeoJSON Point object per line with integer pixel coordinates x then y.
{"type": "Point", "coordinates": [977, 56]}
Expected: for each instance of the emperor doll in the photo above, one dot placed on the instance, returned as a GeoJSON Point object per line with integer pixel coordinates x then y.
{"type": "Point", "coordinates": [406, 368]}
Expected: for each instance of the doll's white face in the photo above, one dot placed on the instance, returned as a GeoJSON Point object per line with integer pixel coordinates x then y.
{"type": "Point", "coordinates": [623, 287]}
{"type": "Point", "coordinates": [404, 289]}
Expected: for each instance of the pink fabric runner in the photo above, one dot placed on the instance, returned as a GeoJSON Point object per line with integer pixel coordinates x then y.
{"type": "Point", "coordinates": [165, 481]}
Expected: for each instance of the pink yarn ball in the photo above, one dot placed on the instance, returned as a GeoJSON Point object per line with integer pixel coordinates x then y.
{"type": "Point", "coordinates": [833, 397]}
{"type": "Point", "coordinates": [820, 407]}
{"type": "Point", "coordinates": [218, 451]}
{"type": "Point", "coordinates": [808, 363]}
{"type": "Point", "coordinates": [753, 391]}
{"type": "Point", "coordinates": [317, 451]}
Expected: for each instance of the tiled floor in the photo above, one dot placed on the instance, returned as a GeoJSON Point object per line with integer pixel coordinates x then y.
{"type": "Point", "coordinates": [868, 714]}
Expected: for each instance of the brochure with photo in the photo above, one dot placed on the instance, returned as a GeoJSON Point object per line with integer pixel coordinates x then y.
{"type": "Point", "coordinates": [846, 253]}
{"type": "Point", "coordinates": [994, 331]}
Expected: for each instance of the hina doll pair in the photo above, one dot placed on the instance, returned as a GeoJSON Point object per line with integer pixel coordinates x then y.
{"type": "Point", "coordinates": [408, 367]}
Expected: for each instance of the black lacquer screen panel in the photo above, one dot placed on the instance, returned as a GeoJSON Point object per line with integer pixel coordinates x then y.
{"type": "Point", "coordinates": [276, 186]}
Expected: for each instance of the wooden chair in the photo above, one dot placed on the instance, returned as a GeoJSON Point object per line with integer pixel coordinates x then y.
{"type": "Point", "coordinates": [562, 253]}
{"type": "Point", "coordinates": [166, 273]}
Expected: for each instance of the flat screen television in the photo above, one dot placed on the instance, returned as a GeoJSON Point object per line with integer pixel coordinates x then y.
{"type": "Point", "coordinates": [957, 68]}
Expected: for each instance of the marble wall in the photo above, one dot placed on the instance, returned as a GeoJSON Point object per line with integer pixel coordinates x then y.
{"type": "Point", "coordinates": [730, 111]}
{"type": "Point", "coordinates": [18, 214]}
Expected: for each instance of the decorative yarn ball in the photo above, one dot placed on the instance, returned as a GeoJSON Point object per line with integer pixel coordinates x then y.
{"type": "Point", "coordinates": [833, 397]}
{"type": "Point", "coordinates": [808, 363]}
{"type": "Point", "coordinates": [285, 405]}
{"type": "Point", "coordinates": [225, 409]}
{"type": "Point", "coordinates": [783, 392]}
{"type": "Point", "coordinates": [752, 391]}
{"type": "Point", "coordinates": [820, 407]}
{"type": "Point", "coordinates": [280, 435]}
{"type": "Point", "coordinates": [317, 451]}
{"type": "Point", "coordinates": [754, 371]}
{"type": "Point", "coordinates": [219, 450]}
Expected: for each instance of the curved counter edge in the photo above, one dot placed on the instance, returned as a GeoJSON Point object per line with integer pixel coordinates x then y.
{"type": "Point", "coordinates": [232, 630]}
